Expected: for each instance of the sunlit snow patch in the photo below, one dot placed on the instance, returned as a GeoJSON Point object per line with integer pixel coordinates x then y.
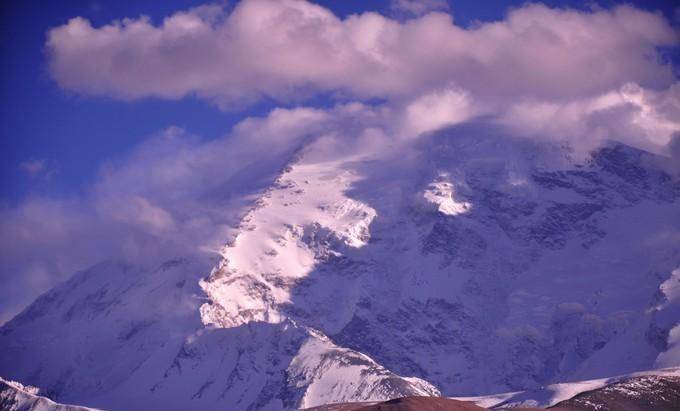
{"type": "Point", "coordinates": [305, 217]}
{"type": "Point", "coordinates": [440, 195]}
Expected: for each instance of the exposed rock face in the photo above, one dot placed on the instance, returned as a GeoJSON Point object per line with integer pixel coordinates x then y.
{"type": "Point", "coordinates": [468, 266]}
{"type": "Point", "coordinates": [659, 393]}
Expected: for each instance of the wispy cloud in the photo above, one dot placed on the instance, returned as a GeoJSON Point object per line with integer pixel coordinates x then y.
{"type": "Point", "coordinates": [37, 168]}
{"type": "Point", "coordinates": [173, 195]}
{"type": "Point", "coordinates": [32, 167]}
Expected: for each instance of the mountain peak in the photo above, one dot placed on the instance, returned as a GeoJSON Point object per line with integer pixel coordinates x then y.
{"type": "Point", "coordinates": [460, 268]}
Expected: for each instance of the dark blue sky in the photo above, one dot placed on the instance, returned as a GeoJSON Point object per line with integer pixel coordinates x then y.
{"type": "Point", "coordinates": [75, 134]}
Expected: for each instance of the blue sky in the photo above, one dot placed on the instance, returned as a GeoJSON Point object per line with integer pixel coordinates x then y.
{"type": "Point", "coordinates": [74, 133]}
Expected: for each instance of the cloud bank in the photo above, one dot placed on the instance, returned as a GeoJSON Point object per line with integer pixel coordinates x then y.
{"type": "Point", "coordinates": [291, 49]}
{"type": "Point", "coordinates": [582, 76]}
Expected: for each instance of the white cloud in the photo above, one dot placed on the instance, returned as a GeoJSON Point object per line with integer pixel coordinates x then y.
{"type": "Point", "coordinates": [640, 117]}
{"type": "Point", "coordinates": [433, 111]}
{"type": "Point", "coordinates": [291, 49]}
{"type": "Point", "coordinates": [554, 73]}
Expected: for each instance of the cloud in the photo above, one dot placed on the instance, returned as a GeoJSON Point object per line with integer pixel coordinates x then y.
{"type": "Point", "coordinates": [436, 110]}
{"type": "Point", "coordinates": [640, 117]}
{"type": "Point", "coordinates": [289, 50]}
{"type": "Point", "coordinates": [38, 169]}
{"type": "Point", "coordinates": [32, 167]}
{"type": "Point", "coordinates": [580, 76]}
{"type": "Point", "coordinates": [674, 146]}
{"type": "Point", "coordinates": [173, 195]}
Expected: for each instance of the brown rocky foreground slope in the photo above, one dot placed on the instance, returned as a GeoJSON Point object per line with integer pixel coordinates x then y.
{"type": "Point", "coordinates": [404, 404]}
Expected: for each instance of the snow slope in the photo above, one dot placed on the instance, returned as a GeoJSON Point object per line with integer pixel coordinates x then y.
{"type": "Point", "coordinates": [118, 337]}
{"type": "Point", "coordinates": [16, 397]}
{"type": "Point", "coordinates": [463, 263]}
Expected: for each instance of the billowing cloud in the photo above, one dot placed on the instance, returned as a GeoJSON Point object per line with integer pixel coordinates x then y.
{"type": "Point", "coordinates": [640, 117]}
{"type": "Point", "coordinates": [291, 49]}
{"type": "Point", "coordinates": [582, 76]}
{"type": "Point", "coordinates": [436, 110]}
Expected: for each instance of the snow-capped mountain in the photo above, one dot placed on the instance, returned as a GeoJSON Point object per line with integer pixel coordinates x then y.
{"type": "Point", "coordinates": [139, 335]}
{"type": "Point", "coordinates": [453, 265]}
